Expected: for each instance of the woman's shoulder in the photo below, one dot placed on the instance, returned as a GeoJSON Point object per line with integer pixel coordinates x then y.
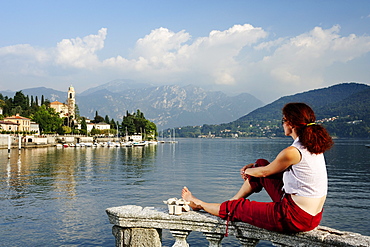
{"type": "Point", "coordinates": [291, 154]}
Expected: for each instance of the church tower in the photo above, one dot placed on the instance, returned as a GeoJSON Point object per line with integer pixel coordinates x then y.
{"type": "Point", "coordinates": [71, 102]}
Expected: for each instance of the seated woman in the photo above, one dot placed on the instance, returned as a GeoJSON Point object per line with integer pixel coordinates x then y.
{"type": "Point", "coordinates": [296, 180]}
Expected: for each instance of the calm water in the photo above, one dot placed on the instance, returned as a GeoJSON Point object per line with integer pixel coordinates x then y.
{"type": "Point", "coordinates": [58, 197]}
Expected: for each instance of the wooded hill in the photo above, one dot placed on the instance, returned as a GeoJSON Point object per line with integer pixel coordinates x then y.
{"type": "Point", "coordinates": [344, 109]}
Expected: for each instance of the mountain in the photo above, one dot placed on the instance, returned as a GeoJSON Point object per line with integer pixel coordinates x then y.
{"type": "Point", "coordinates": [344, 109]}
{"type": "Point", "coordinates": [117, 86]}
{"type": "Point", "coordinates": [321, 100]}
{"type": "Point", "coordinates": [48, 93]}
{"type": "Point", "coordinates": [167, 106]}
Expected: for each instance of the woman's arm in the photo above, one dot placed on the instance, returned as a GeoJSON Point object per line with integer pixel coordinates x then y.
{"type": "Point", "coordinates": [287, 157]}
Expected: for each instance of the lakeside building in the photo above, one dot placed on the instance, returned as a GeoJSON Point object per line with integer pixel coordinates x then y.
{"type": "Point", "coordinates": [134, 138]}
{"type": "Point", "coordinates": [99, 126]}
{"type": "Point", "coordinates": [24, 123]}
{"type": "Point", "coordinates": [35, 127]}
{"type": "Point", "coordinates": [8, 126]}
{"type": "Point", "coordinates": [68, 109]}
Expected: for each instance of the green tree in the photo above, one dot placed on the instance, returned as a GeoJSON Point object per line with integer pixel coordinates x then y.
{"type": "Point", "coordinates": [48, 120]}
{"type": "Point", "coordinates": [106, 119]}
{"type": "Point", "coordinates": [113, 124]}
{"type": "Point", "coordinates": [136, 123]}
{"type": "Point", "coordinates": [20, 100]}
{"type": "Point", "coordinates": [83, 126]}
{"type": "Point", "coordinates": [150, 130]}
{"type": "Point", "coordinates": [128, 124]}
{"type": "Point", "coordinates": [98, 118]}
{"type": "Point", "coordinates": [95, 131]}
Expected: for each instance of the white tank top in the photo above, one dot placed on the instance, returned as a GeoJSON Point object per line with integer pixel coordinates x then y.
{"type": "Point", "coordinates": [307, 178]}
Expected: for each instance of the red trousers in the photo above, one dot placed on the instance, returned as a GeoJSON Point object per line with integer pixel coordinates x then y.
{"type": "Point", "coordinates": [280, 215]}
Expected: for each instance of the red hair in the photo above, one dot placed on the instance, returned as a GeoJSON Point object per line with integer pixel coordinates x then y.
{"type": "Point", "coordinates": [312, 136]}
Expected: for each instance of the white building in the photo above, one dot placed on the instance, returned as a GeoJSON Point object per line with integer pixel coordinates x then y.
{"type": "Point", "coordinates": [98, 126]}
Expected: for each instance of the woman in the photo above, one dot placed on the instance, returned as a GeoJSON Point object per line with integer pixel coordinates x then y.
{"type": "Point", "coordinates": [296, 180]}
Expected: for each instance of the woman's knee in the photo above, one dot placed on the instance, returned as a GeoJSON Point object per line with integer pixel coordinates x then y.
{"type": "Point", "coordinates": [261, 162]}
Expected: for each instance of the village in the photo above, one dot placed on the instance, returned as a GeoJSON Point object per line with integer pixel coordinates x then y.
{"type": "Point", "coordinates": [22, 132]}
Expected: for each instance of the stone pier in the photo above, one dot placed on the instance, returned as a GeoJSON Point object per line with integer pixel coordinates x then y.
{"type": "Point", "coordinates": [138, 226]}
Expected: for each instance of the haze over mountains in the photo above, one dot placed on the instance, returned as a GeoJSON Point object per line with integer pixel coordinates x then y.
{"type": "Point", "coordinates": [174, 106]}
{"type": "Point", "coordinates": [167, 106]}
{"type": "Point", "coordinates": [343, 108]}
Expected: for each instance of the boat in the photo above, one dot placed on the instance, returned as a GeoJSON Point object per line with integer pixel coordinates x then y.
{"type": "Point", "coordinates": [139, 144]}
{"type": "Point", "coordinates": [367, 145]}
{"type": "Point", "coordinates": [65, 145]}
{"type": "Point", "coordinates": [127, 144]}
{"type": "Point", "coordinates": [59, 145]}
{"type": "Point", "coordinates": [111, 144]}
{"type": "Point", "coordinates": [88, 144]}
{"type": "Point", "coordinates": [72, 145]}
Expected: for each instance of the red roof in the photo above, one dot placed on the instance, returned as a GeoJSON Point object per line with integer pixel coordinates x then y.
{"type": "Point", "coordinates": [17, 117]}
{"type": "Point", "coordinates": [56, 103]}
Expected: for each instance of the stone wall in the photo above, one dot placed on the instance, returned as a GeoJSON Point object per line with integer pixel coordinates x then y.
{"type": "Point", "coordinates": [132, 223]}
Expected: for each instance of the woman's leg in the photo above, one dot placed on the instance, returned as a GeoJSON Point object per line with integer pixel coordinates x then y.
{"type": "Point", "coordinates": [196, 204]}
{"type": "Point", "coordinates": [244, 191]}
{"type": "Point", "coordinates": [272, 184]}
{"type": "Point", "coordinates": [251, 184]}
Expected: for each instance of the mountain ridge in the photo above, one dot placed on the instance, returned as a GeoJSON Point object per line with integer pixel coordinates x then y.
{"type": "Point", "coordinates": [343, 108]}
{"type": "Point", "coordinates": [166, 106]}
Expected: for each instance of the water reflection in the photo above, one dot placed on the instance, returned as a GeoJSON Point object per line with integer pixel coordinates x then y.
{"type": "Point", "coordinates": [63, 192]}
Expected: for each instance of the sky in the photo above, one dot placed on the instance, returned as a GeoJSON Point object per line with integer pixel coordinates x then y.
{"type": "Point", "coordinates": [267, 48]}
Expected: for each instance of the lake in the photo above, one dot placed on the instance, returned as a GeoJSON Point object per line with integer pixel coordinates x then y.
{"type": "Point", "coordinates": [58, 196]}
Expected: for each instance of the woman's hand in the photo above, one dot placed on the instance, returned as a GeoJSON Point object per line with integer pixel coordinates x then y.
{"type": "Point", "coordinates": [242, 171]}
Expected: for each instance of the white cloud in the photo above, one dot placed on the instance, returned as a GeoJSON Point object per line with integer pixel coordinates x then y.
{"type": "Point", "coordinates": [80, 53]}
{"type": "Point", "coordinates": [300, 61]}
{"type": "Point", "coordinates": [240, 59]}
{"type": "Point", "coordinates": [23, 59]}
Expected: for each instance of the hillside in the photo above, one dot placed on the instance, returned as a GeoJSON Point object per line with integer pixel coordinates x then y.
{"type": "Point", "coordinates": [319, 99]}
{"type": "Point", "coordinates": [343, 108]}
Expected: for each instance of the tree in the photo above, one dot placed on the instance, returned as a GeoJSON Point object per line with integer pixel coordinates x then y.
{"type": "Point", "coordinates": [95, 131]}
{"type": "Point", "coordinates": [77, 112]}
{"type": "Point", "coordinates": [48, 120]}
{"type": "Point", "coordinates": [106, 119]}
{"type": "Point", "coordinates": [20, 100]}
{"type": "Point", "coordinates": [113, 124]}
{"type": "Point", "coordinates": [150, 130]}
{"type": "Point", "coordinates": [83, 126]}
{"type": "Point", "coordinates": [136, 123]}
{"type": "Point", "coordinates": [98, 119]}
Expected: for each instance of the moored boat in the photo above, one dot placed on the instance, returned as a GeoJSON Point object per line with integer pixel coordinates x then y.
{"type": "Point", "coordinates": [139, 144]}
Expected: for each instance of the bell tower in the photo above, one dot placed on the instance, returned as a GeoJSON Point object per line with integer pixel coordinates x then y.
{"type": "Point", "coordinates": [71, 102]}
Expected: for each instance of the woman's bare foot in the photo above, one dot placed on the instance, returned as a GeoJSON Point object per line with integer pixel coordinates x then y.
{"type": "Point", "coordinates": [195, 203]}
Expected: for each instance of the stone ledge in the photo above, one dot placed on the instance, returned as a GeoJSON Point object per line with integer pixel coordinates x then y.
{"type": "Point", "coordinates": [132, 216]}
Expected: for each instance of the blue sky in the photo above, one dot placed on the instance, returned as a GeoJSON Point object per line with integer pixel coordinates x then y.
{"type": "Point", "coordinates": [266, 48]}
